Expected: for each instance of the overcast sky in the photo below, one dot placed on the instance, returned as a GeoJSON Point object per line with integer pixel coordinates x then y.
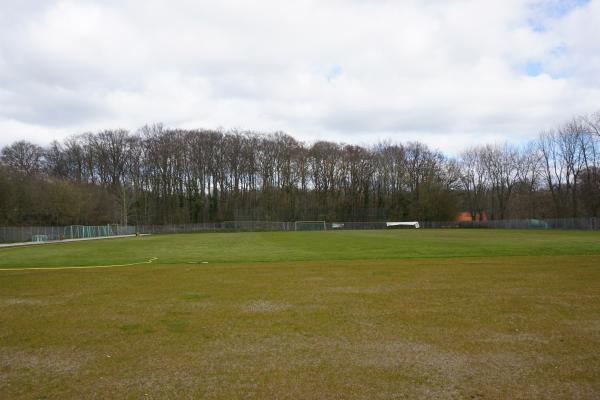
{"type": "Point", "coordinates": [449, 73]}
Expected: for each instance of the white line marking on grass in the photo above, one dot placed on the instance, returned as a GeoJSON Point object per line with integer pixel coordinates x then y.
{"type": "Point", "coordinates": [150, 261]}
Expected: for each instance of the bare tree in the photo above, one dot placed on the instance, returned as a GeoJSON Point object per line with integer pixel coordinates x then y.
{"type": "Point", "coordinates": [23, 156]}
{"type": "Point", "coordinates": [160, 175]}
{"type": "Point", "coordinates": [473, 179]}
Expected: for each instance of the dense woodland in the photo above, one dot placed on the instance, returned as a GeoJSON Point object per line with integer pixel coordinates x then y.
{"type": "Point", "coordinates": [158, 175]}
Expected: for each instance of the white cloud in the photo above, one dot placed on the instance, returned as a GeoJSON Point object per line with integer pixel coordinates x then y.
{"type": "Point", "coordinates": [448, 73]}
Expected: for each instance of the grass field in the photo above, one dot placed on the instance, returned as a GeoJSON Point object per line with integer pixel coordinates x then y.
{"type": "Point", "coordinates": [482, 314]}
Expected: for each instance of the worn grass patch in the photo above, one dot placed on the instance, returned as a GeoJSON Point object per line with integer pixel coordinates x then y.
{"type": "Point", "coordinates": [483, 328]}
{"type": "Point", "coordinates": [262, 306]}
{"type": "Point", "coordinates": [432, 314]}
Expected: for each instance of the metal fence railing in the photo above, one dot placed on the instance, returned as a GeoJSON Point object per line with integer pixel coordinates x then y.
{"type": "Point", "coordinates": [27, 234]}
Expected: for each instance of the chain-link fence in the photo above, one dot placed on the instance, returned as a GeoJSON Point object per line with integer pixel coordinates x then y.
{"type": "Point", "coordinates": [249, 226]}
{"type": "Point", "coordinates": [27, 234]}
{"type": "Point", "coordinates": [227, 226]}
{"type": "Point", "coordinates": [552, 223]}
{"type": "Point", "coordinates": [561, 223]}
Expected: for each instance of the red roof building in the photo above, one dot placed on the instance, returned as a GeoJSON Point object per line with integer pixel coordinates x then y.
{"type": "Point", "coordinates": [465, 216]}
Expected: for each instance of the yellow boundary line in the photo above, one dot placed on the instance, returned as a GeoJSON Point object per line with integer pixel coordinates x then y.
{"type": "Point", "coordinates": [150, 261]}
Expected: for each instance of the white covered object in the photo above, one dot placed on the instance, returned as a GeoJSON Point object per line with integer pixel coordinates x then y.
{"type": "Point", "coordinates": [392, 224]}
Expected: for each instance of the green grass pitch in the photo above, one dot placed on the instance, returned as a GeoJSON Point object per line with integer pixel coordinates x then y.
{"type": "Point", "coordinates": [482, 314]}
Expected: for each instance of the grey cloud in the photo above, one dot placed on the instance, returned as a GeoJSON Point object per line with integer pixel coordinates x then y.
{"type": "Point", "coordinates": [409, 68]}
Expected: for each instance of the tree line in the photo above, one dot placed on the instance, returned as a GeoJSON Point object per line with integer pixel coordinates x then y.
{"type": "Point", "coordinates": [158, 175]}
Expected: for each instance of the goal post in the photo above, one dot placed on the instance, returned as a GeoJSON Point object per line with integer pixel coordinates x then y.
{"type": "Point", "coordinates": [74, 231]}
{"type": "Point", "coordinates": [310, 226]}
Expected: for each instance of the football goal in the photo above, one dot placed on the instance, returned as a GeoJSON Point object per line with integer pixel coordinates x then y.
{"type": "Point", "coordinates": [39, 238]}
{"type": "Point", "coordinates": [84, 232]}
{"type": "Point", "coordinates": [310, 226]}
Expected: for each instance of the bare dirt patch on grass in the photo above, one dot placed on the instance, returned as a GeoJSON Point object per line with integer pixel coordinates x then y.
{"type": "Point", "coordinates": [264, 306]}
{"type": "Point", "coordinates": [42, 361]}
{"type": "Point", "coordinates": [361, 290]}
{"type": "Point", "coordinates": [517, 337]}
{"type": "Point", "coordinates": [21, 301]}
